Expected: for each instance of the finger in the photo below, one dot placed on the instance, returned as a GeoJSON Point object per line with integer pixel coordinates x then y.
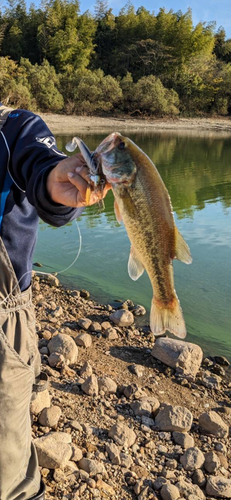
{"type": "Point", "coordinates": [80, 184]}
{"type": "Point", "coordinates": [84, 172]}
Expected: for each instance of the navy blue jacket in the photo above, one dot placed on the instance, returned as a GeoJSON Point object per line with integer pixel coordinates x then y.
{"type": "Point", "coordinates": [28, 144]}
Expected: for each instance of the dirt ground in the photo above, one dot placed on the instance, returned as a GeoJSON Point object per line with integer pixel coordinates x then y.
{"type": "Point", "coordinates": [110, 468]}
{"type": "Point", "coordinates": [64, 124]}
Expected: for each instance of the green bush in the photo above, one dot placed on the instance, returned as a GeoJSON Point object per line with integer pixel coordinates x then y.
{"type": "Point", "coordinates": [152, 98]}
{"type": "Point", "coordinates": [88, 92]}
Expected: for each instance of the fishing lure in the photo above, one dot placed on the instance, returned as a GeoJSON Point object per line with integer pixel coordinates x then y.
{"type": "Point", "coordinates": [88, 156]}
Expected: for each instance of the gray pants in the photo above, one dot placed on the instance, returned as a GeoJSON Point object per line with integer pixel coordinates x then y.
{"type": "Point", "coordinates": [19, 364]}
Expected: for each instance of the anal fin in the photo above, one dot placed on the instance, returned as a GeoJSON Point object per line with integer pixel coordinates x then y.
{"type": "Point", "coordinates": [135, 267]}
{"type": "Point", "coordinates": [182, 251]}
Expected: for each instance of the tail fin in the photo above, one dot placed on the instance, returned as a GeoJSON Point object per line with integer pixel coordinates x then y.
{"type": "Point", "coordinates": [168, 317]}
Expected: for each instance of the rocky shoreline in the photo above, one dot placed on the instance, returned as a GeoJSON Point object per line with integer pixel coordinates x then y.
{"type": "Point", "coordinates": [125, 417]}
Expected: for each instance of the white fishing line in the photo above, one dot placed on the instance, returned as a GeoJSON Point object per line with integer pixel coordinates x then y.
{"type": "Point", "coordinates": [78, 253]}
{"type": "Point", "coordinates": [50, 274]}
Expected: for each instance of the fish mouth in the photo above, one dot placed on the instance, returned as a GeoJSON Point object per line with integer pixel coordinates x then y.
{"type": "Point", "coordinates": [108, 143]}
{"type": "Point", "coordinates": [112, 177]}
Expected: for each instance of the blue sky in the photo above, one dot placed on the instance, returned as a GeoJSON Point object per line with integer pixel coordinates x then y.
{"type": "Point", "coordinates": [203, 10]}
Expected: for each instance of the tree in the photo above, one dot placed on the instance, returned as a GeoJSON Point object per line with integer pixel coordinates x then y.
{"type": "Point", "coordinates": [65, 37]}
{"type": "Point", "coordinates": [198, 84]}
{"type": "Point", "coordinates": [44, 82]}
{"type": "Point", "coordinates": [14, 89]}
{"type": "Point", "coordinates": [105, 37]}
{"type": "Point", "coordinates": [222, 47]}
{"type": "Point", "coordinates": [222, 104]}
{"type": "Point", "coordinates": [15, 16]}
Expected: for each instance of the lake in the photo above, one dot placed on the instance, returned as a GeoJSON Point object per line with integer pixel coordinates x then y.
{"type": "Point", "coordinates": [197, 173]}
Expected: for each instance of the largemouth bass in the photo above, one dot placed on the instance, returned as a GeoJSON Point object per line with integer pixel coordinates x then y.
{"type": "Point", "coordinates": [143, 204]}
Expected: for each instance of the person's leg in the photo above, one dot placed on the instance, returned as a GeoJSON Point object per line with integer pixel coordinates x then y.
{"type": "Point", "coordinates": [19, 365]}
{"type": "Point", "coordinates": [19, 472]}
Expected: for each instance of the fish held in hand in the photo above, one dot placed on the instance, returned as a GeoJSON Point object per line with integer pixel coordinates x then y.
{"type": "Point", "coordinates": [143, 204]}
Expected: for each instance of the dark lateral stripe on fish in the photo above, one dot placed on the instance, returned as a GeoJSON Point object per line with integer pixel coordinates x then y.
{"type": "Point", "coordinates": [142, 215]}
{"type": "Point", "coordinates": [158, 272]}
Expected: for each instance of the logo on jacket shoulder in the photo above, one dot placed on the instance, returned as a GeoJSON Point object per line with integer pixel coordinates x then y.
{"type": "Point", "coordinates": [49, 141]}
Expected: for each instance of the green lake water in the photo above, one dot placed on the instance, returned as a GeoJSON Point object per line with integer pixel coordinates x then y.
{"type": "Point", "coordinates": [197, 173]}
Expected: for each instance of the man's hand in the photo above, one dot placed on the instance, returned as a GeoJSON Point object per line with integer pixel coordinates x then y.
{"type": "Point", "coordinates": [67, 183]}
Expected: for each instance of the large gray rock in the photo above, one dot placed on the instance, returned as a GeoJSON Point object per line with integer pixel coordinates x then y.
{"type": "Point", "coordinates": [212, 462]}
{"type": "Point", "coordinates": [111, 333]}
{"type": "Point", "coordinates": [187, 489]}
{"type": "Point", "coordinates": [199, 478]}
{"type": "Point", "coordinates": [145, 406]}
{"type": "Point", "coordinates": [122, 317]}
{"type": "Point", "coordinates": [50, 416]}
{"type": "Point", "coordinates": [122, 435]}
{"type": "Point", "coordinates": [174, 418]}
{"type": "Point", "coordinates": [210, 380]}
{"type": "Point", "coordinates": [83, 340]}
{"type": "Point", "coordinates": [65, 345]}
{"type": "Point", "coordinates": [52, 454]}
{"type": "Point", "coordinates": [169, 492]}
{"type": "Point", "coordinates": [107, 385]}
{"type": "Point", "coordinates": [183, 439]}
{"type": "Point", "coordinates": [192, 459]}
{"type": "Point", "coordinates": [212, 423]}
{"type": "Point", "coordinates": [139, 310]}
{"type": "Point", "coordinates": [77, 453]}
{"type": "Point", "coordinates": [86, 370]}
{"type": "Point", "coordinates": [53, 280]}
{"type": "Point", "coordinates": [184, 356]}
{"type": "Point", "coordinates": [92, 467]}
{"type": "Point", "coordinates": [218, 486]}
{"type": "Point", "coordinates": [90, 386]}
{"type": "Point", "coordinates": [84, 323]}
{"type": "Point", "coordinates": [113, 453]}
{"type": "Point", "coordinates": [126, 460]}
{"type": "Point", "coordinates": [56, 360]}
{"type": "Point", "coordinates": [41, 401]}
{"type": "Point", "coordinates": [60, 437]}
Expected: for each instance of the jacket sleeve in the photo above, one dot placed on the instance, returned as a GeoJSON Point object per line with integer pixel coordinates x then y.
{"type": "Point", "coordinates": [33, 154]}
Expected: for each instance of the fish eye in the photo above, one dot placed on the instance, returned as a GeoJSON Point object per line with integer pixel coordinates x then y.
{"type": "Point", "coordinates": [121, 145]}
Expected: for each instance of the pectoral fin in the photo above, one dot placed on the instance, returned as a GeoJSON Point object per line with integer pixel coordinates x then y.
{"type": "Point", "coordinates": [135, 267]}
{"type": "Point", "coordinates": [117, 212]}
{"type": "Point", "coordinates": [182, 251]}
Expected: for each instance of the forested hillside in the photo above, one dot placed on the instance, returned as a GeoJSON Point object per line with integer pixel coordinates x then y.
{"type": "Point", "coordinates": [141, 63]}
